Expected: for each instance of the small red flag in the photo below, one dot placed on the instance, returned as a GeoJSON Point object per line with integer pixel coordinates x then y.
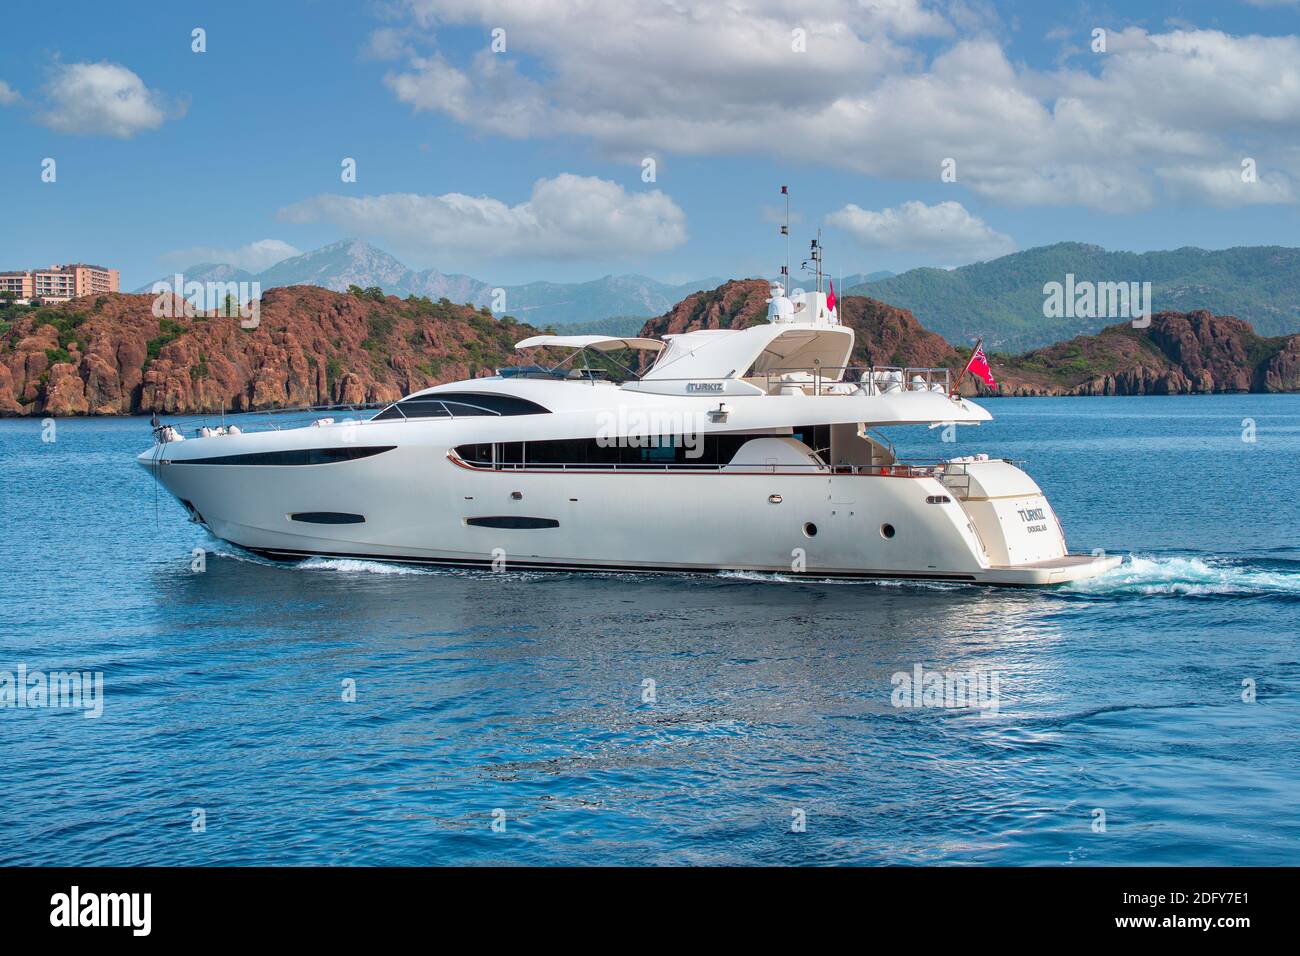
{"type": "Point", "coordinates": [830, 299]}
{"type": "Point", "coordinates": [979, 364]}
{"type": "Point", "coordinates": [785, 191]}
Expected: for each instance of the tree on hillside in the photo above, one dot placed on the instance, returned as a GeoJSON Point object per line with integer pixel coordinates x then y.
{"type": "Point", "coordinates": [369, 292]}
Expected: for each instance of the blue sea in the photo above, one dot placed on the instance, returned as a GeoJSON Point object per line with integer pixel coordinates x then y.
{"type": "Point", "coordinates": [1148, 717]}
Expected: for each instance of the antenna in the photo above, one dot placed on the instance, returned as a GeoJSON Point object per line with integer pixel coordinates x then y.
{"type": "Point", "coordinates": [816, 257]}
{"type": "Point", "coordinates": [785, 231]}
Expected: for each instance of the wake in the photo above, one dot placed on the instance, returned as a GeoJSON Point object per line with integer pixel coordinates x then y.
{"type": "Point", "coordinates": [1137, 576]}
{"type": "Point", "coordinates": [1193, 577]}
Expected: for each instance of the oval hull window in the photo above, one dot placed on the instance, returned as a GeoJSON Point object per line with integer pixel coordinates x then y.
{"type": "Point", "coordinates": [511, 522]}
{"type": "Point", "coordinates": [327, 517]}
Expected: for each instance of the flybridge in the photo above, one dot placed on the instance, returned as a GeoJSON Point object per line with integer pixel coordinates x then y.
{"type": "Point", "coordinates": [801, 350]}
{"type": "Point", "coordinates": [802, 339]}
{"type": "Point", "coordinates": [755, 351]}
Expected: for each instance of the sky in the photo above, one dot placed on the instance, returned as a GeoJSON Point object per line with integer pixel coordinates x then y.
{"type": "Point", "coordinates": [521, 140]}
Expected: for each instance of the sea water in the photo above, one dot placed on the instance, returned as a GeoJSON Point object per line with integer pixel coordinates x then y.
{"type": "Point", "coordinates": [352, 712]}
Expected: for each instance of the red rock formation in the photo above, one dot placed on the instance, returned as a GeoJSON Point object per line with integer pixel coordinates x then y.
{"type": "Point", "coordinates": [312, 347]}
{"type": "Point", "coordinates": [732, 305]}
{"type": "Point", "coordinates": [111, 355]}
{"type": "Point", "coordinates": [1281, 373]}
{"type": "Point", "coordinates": [1178, 354]}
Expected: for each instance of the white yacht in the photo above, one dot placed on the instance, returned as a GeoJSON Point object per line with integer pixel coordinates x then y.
{"type": "Point", "coordinates": [751, 449]}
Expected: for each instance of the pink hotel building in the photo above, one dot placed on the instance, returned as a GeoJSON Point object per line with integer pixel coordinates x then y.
{"type": "Point", "coordinates": [59, 283]}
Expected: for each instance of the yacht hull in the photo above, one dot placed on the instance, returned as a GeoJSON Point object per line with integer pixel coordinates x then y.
{"type": "Point", "coordinates": [414, 503]}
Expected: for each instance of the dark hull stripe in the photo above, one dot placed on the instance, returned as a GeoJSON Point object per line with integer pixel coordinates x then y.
{"type": "Point", "coordinates": [289, 457]}
{"type": "Point", "coordinates": [284, 554]}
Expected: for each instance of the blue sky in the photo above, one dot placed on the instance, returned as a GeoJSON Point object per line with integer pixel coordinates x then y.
{"type": "Point", "coordinates": [526, 163]}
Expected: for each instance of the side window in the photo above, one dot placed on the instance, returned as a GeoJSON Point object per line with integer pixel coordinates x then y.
{"type": "Point", "coordinates": [477, 454]}
{"type": "Point", "coordinates": [701, 451]}
{"type": "Point", "coordinates": [424, 408]}
{"type": "Point", "coordinates": [464, 410]}
{"type": "Point", "coordinates": [413, 408]}
{"type": "Point", "coordinates": [485, 403]}
{"type": "Point", "coordinates": [460, 405]}
{"type": "Point", "coordinates": [659, 454]}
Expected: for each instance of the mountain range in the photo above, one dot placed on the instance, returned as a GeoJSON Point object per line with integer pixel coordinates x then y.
{"type": "Point", "coordinates": [1002, 300]}
{"type": "Point", "coordinates": [354, 262]}
{"type": "Point", "coordinates": [860, 278]}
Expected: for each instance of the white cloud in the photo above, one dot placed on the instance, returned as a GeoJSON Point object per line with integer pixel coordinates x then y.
{"type": "Point", "coordinates": [91, 99]}
{"type": "Point", "coordinates": [386, 43]}
{"type": "Point", "coordinates": [492, 96]}
{"type": "Point", "coordinates": [1223, 186]}
{"type": "Point", "coordinates": [887, 89]}
{"type": "Point", "coordinates": [945, 229]}
{"type": "Point", "coordinates": [8, 95]}
{"type": "Point", "coordinates": [630, 72]}
{"type": "Point", "coordinates": [565, 216]}
{"type": "Point", "coordinates": [253, 257]}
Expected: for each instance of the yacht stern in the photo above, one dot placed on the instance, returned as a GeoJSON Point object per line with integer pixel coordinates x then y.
{"type": "Point", "coordinates": [1063, 570]}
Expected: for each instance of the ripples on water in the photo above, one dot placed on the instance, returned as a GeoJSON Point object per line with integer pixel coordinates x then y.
{"type": "Point", "coordinates": [523, 691]}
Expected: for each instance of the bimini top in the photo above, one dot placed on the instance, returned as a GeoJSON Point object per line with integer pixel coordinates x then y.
{"type": "Point", "coordinates": [757, 350]}
{"type": "Point", "coordinates": [601, 343]}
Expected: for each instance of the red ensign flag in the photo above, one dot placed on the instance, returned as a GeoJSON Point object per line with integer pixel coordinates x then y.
{"type": "Point", "coordinates": [979, 364]}
{"type": "Point", "coordinates": [830, 299]}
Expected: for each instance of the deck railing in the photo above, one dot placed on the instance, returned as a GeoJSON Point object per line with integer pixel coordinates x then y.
{"type": "Point", "coordinates": [261, 420]}
{"type": "Point", "coordinates": [949, 472]}
{"type": "Point", "coordinates": [859, 379]}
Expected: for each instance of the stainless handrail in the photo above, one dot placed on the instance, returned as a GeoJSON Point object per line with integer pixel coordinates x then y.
{"type": "Point", "coordinates": [252, 421]}
{"type": "Point", "coordinates": [909, 469]}
{"type": "Point", "coordinates": [255, 416]}
{"type": "Point", "coordinates": [867, 374]}
{"type": "Point", "coordinates": [882, 439]}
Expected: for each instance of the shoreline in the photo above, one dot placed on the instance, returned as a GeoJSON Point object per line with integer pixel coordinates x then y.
{"type": "Point", "coordinates": [38, 416]}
